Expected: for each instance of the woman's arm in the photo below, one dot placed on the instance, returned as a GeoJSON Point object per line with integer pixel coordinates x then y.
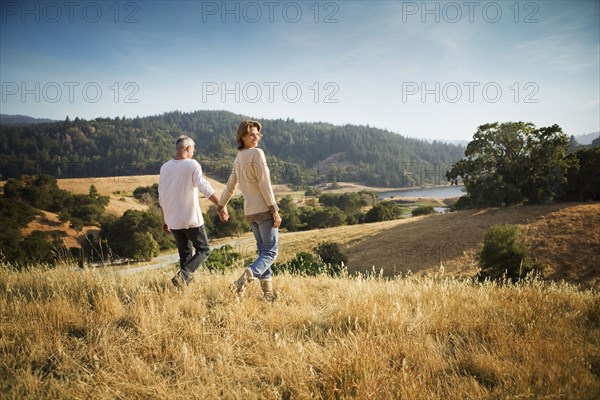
{"type": "Point", "coordinates": [266, 189]}
{"type": "Point", "coordinates": [229, 190]}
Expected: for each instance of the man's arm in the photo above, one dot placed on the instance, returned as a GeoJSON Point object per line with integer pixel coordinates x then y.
{"type": "Point", "coordinates": [165, 226]}
{"type": "Point", "coordinates": [214, 199]}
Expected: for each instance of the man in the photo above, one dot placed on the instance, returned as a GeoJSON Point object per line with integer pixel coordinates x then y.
{"type": "Point", "coordinates": [180, 180]}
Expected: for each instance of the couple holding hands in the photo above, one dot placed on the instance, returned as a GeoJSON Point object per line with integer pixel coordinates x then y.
{"type": "Point", "coordinates": [180, 180]}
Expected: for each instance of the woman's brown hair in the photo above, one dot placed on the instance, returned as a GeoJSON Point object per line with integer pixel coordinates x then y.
{"type": "Point", "coordinates": [244, 129]}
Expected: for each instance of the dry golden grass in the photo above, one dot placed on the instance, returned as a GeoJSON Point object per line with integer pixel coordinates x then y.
{"type": "Point", "coordinates": [108, 185]}
{"type": "Point", "coordinates": [291, 243]}
{"type": "Point", "coordinates": [116, 187]}
{"type": "Point", "coordinates": [49, 222]}
{"type": "Point", "coordinates": [93, 334]}
{"type": "Point", "coordinates": [566, 243]}
{"type": "Point", "coordinates": [564, 238]}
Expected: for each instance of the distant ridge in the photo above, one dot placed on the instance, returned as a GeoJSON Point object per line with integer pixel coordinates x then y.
{"type": "Point", "coordinates": [587, 139]}
{"type": "Point", "coordinates": [296, 150]}
{"type": "Point", "coordinates": [6, 119]}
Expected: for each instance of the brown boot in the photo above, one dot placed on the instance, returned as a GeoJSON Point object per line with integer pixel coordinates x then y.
{"type": "Point", "coordinates": [267, 287]}
{"type": "Point", "coordinates": [239, 286]}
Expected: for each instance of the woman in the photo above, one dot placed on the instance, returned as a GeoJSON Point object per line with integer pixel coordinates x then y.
{"type": "Point", "coordinates": [251, 173]}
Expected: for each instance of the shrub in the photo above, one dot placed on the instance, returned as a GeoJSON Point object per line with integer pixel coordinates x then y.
{"type": "Point", "coordinates": [221, 259]}
{"type": "Point", "coordinates": [423, 210]}
{"type": "Point", "coordinates": [307, 264]}
{"type": "Point", "coordinates": [146, 194]}
{"type": "Point", "coordinates": [384, 211]}
{"type": "Point", "coordinates": [302, 264]}
{"type": "Point", "coordinates": [464, 202]}
{"type": "Point", "coordinates": [312, 192]}
{"type": "Point", "coordinates": [347, 202]}
{"type": "Point", "coordinates": [330, 253]}
{"type": "Point", "coordinates": [504, 253]}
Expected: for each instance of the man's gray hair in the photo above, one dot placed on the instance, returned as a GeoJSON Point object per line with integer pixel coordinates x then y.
{"type": "Point", "coordinates": [184, 141]}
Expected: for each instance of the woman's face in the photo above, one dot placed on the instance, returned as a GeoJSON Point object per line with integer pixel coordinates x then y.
{"type": "Point", "coordinates": [252, 138]}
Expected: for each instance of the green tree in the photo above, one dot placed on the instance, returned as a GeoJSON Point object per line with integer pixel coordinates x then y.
{"type": "Point", "coordinates": [547, 164]}
{"type": "Point", "coordinates": [312, 192]}
{"type": "Point", "coordinates": [583, 181]}
{"type": "Point", "coordinates": [234, 226]}
{"type": "Point", "coordinates": [83, 209]}
{"type": "Point", "coordinates": [37, 249]}
{"type": "Point", "coordinates": [39, 191]}
{"type": "Point", "coordinates": [144, 247]}
{"type": "Point", "coordinates": [119, 232]}
{"type": "Point", "coordinates": [93, 192]}
{"type": "Point", "coordinates": [322, 217]}
{"type": "Point", "coordinates": [347, 202]}
{"type": "Point", "coordinates": [14, 215]}
{"type": "Point", "coordinates": [289, 214]}
{"type": "Point", "coordinates": [513, 162]}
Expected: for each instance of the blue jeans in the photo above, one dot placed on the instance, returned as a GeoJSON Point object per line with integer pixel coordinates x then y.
{"type": "Point", "coordinates": [188, 240]}
{"type": "Point", "coordinates": [267, 243]}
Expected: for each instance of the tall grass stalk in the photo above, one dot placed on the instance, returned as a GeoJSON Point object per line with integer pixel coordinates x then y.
{"type": "Point", "coordinates": [94, 334]}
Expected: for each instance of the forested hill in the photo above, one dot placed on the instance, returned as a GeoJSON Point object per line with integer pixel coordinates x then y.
{"type": "Point", "coordinates": [21, 120]}
{"type": "Point", "coordinates": [298, 153]}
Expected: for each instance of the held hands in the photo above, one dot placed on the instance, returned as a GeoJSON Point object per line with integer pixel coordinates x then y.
{"type": "Point", "coordinates": [224, 214]}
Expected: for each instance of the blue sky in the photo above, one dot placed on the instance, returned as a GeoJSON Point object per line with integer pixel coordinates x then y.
{"type": "Point", "coordinates": [432, 69]}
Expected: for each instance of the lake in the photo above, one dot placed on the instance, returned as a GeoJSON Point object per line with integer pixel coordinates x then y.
{"type": "Point", "coordinates": [434, 192]}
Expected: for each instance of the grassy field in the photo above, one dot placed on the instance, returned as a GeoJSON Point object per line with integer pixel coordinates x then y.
{"type": "Point", "coordinates": [564, 242]}
{"type": "Point", "coordinates": [120, 190]}
{"type": "Point", "coordinates": [564, 238]}
{"type": "Point", "coordinates": [94, 334]}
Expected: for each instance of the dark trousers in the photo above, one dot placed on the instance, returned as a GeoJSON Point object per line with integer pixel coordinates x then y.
{"type": "Point", "coordinates": [188, 240]}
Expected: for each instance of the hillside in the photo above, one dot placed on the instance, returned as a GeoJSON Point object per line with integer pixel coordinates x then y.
{"type": "Point", "coordinates": [587, 139]}
{"type": "Point", "coordinates": [120, 189]}
{"type": "Point", "coordinates": [49, 223]}
{"type": "Point", "coordinates": [564, 239]}
{"type": "Point", "coordinates": [298, 153]}
{"type": "Point", "coordinates": [566, 243]}
{"type": "Point", "coordinates": [6, 119]}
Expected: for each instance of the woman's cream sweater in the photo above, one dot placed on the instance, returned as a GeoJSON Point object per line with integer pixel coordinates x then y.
{"type": "Point", "coordinates": [251, 173]}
